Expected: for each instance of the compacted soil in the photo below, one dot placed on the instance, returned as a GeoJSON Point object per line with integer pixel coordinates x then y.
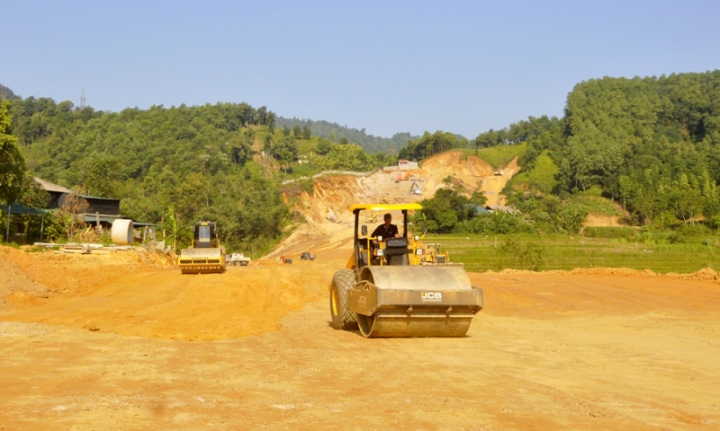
{"type": "Point", "coordinates": [125, 342]}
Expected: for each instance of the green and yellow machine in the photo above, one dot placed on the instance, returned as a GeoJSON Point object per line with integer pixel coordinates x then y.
{"type": "Point", "coordinates": [390, 288]}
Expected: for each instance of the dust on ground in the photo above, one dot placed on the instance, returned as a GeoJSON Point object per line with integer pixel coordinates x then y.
{"type": "Point", "coordinates": [125, 341]}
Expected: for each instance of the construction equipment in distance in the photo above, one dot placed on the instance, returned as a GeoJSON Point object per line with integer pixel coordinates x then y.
{"type": "Point", "coordinates": [206, 255]}
{"type": "Point", "coordinates": [388, 290]}
{"type": "Point", "coordinates": [237, 259]}
{"type": "Point", "coordinates": [432, 254]}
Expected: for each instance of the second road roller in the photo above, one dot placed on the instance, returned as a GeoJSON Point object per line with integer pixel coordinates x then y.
{"type": "Point", "coordinates": [206, 255]}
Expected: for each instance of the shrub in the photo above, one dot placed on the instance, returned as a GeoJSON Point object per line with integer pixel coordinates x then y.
{"type": "Point", "coordinates": [498, 222]}
{"type": "Point", "coordinates": [610, 232]}
{"type": "Point", "coordinates": [685, 233]}
{"type": "Point", "coordinates": [530, 255]}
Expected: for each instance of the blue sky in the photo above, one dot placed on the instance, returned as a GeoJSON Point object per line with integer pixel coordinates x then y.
{"type": "Point", "coordinates": [386, 66]}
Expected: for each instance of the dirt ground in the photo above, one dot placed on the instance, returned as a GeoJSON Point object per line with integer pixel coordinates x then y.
{"type": "Point", "coordinates": [125, 342]}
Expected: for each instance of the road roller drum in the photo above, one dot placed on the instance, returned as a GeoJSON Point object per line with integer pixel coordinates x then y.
{"type": "Point", "coordinates": [414, 301]}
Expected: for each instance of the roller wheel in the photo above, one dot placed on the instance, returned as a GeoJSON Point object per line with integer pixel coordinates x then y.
{"type": "Point", "coordinates": [342, 282]}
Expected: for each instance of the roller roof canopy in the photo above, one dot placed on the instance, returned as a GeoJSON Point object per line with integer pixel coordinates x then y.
{"type": "Point", "coordinates": [385, 207]}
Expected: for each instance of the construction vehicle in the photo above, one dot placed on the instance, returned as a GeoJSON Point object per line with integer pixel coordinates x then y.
{"type": "Point", "coordinates": [428, 254]}
{"type": "Point", "coordinates": [307, 256]}
{"type": "Point", "coordinates": [237, 259]}
{"type": "Point", "coordinates": [432, 253]}
{"type": "Point", "coordinates": [206, 255]}
{"type": "Point", "coordinates": [389, 290]}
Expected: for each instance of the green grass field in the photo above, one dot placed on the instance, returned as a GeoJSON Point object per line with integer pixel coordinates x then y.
{"type": "Point", "coordinates": [482, 253]}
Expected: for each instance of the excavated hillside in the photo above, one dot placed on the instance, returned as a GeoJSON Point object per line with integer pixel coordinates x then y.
{"type": "Point", "coordinates": [329, 222]}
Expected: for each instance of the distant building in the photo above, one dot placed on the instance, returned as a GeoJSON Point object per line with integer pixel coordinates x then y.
{"type": "Point", "coordinates": [99, 210]}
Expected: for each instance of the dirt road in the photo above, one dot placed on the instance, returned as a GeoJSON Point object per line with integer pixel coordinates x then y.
{"type": "Point", "coordinates": [110, 343]}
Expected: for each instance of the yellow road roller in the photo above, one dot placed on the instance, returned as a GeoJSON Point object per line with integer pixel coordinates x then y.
{"type": "Point", "coordinates": [387, 290]}
{"type": "Point", "coordinates": [206, 255]}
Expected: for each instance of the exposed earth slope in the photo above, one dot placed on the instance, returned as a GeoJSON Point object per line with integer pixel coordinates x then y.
{"type": "Point", "coordinates": [329, 223]}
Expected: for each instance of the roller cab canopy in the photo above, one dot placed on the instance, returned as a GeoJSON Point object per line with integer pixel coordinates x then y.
{"type": "Point", "coordinates": [386, 207]}
{"type": "Point", "coordinates": [403, 208]}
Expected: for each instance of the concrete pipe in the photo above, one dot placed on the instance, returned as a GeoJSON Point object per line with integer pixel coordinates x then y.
{"type": "Point", "coordinates": [122, 231]}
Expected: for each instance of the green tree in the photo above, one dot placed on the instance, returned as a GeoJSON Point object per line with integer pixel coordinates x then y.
{"type": "Point", "coordinates": [195, 195]}
{"type": "Point", "coordinates": [240, 146]}
{"type": "Point", "coordinates": [447, 209]}
{"type": "Point", "coordinates": [103, 177]}
{"type": "Point", "coordinates": [323, 146]}
{"type": "Point", "coordinates": [497, 222]}
{"type": "Point", "coordinates": [177, 232]}
{"type": "Point", "coordinates": [518, 255]}
{"type": "Point", "coordinates": [12, 164]}
{"type": "Point", "coordinates": [285, 151]}
{"type": "Point", "coordinates": [348, 157]}
{"type": "Point", "coordinates": [543, 177]}
{"type": "Point", "coordinates": [478, 198]}
{"type": "Point", "coordinates": [430, 144]}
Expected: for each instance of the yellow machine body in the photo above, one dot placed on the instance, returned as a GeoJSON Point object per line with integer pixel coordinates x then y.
{"type": "Point", "coordinates": [206, 254]}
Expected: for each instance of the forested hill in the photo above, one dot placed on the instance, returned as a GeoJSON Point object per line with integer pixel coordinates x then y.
{"type": "Point", "coordinates": [650, 144]}
{"type": "Point", "coordinates": [222, 162]}
{"type": "Point", "coordinates": [338, 133]}
{"type": "Point", "coordinates": [653, 144]}
{"type": "Point", "coordinates": [7, 94]}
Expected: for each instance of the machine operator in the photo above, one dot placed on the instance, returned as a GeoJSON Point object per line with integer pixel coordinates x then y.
{"type": "Point", "coordinates": [387, 229]}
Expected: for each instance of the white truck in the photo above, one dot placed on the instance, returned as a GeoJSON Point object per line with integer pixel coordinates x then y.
{"type": "Point", "coordinates": [237, 259]}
